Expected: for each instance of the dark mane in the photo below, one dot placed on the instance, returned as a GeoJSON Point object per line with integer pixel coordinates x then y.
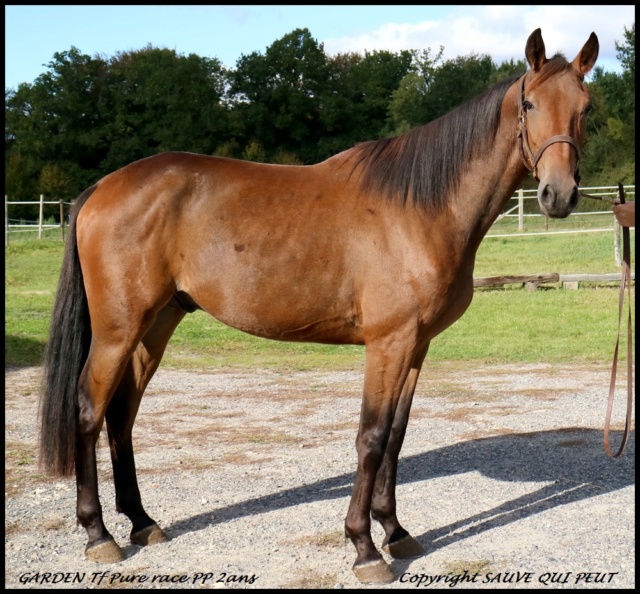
{"type": "Point", "coordinates": [425, 164]}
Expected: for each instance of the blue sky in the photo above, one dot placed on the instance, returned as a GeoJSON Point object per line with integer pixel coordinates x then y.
{"type": "Point", "coordinates": [34, 33]}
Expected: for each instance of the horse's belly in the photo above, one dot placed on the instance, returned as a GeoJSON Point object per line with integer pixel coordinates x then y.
{"type": "Point", "coordinates": [276, 310]}
{"type": "Point", "coordinates": [330, 330]}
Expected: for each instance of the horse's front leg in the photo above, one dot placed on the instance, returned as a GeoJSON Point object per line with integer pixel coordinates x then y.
{"type": "Point", "coordinates": [387, 364]}
{"type": "Point", "coordinates": [397, 542]}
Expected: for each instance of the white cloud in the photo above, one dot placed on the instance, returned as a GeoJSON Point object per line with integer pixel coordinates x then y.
{"type": "Point", "coordinates": [501, 32]}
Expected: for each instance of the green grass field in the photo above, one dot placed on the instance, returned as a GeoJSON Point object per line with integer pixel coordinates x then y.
{"type": "Point", "coordinates": [508, 324]}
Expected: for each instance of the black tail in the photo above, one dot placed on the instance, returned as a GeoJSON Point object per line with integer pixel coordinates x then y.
{"type": "Point", "coordinates": [64, 358]}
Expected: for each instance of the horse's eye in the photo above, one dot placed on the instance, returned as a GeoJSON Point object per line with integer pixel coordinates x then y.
{"type": "Point", "coordinates": [527, 105]}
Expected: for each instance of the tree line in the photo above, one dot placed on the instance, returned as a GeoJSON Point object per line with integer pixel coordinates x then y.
{"type": "Point", "coordinates": [86, 116]}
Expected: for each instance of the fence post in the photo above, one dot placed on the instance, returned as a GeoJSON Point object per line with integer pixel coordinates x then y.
{"type": "Point", "coordinates": [62, 219]}
{"type": "Point", "coordinates": [6, 220]}
{"type": "Point", "coordinates": [41, 216]}
{"type": "Point", "coordinates": [616, 242]}
{"type": "Point", "coordinates": [520, 209]}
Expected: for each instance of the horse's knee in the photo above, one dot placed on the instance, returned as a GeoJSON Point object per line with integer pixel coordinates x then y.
{"type": "Point", "coordinates": [370, 445]}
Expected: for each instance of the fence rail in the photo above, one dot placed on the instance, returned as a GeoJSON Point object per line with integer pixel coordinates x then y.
{"type": "Point", "coordinates": [532, 281]}
{"type": "Point", "coordinates": [40, 225]}
{"type": "Point", "coordinates": [607, 223]}
{"type": "Point", "coordinates": [521, 195]}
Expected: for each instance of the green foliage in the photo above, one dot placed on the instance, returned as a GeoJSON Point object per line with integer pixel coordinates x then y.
{"type": "Point", "coordinates": [280, 93]}
{"type": "Point", "coordinates": [286, 158]}
{"type": "Point", "coordinates": [254, 152]}
{"type": "Point", "coordinates": [54, 181]}
{"type": "Point", "coordinates": [406, 108]}
{"type": "Point", "coordinates": [432, 89]}
{"type": "Point", "coordinates": [86, 116]}
{"type": "Point", "coordinates": [227, 149]}
{"type": "Point", "coordinates": [373, 81]}
{"type": "Point", "coordinates": [163, 102]}
{"type": "Point", "coordinates": [456, 81]}
{"type": "Point", "coordinates": [610, 150]}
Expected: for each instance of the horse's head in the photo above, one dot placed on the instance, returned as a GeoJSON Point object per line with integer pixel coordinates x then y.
{"type": "Point", "coordinates": [554, 102]}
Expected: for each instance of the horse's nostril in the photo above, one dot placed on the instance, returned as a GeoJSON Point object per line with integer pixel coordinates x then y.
{"type": "Point", "coordinates": [573, 201]}
{"type": "Point", "coordinates": [548, 195]}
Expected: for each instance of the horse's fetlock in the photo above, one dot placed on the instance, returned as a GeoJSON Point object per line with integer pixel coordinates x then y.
{"type": "Point", "coordinates": [382, 512]}
{"type": "Point", "coordinates": [87, 516]}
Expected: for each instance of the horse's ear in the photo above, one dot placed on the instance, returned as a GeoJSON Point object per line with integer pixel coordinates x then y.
{"type": "Point", "coordinates": [588, 55]}
{"type": "Point", "coordinates": [534, 51]}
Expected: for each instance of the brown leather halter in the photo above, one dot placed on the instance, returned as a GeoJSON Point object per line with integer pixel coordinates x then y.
{"type": "Point", "coordinates": [528, 158]}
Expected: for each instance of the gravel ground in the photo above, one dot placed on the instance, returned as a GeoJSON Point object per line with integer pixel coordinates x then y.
{"type": "Point", "coordinates": [503, 479]}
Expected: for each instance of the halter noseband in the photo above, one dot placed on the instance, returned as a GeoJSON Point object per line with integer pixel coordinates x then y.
{"type": "Point", "coordinates": [531, 160]}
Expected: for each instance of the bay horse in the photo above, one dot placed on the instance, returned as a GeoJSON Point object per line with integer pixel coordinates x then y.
{"type": "Point", "coordinates": [374, 246]}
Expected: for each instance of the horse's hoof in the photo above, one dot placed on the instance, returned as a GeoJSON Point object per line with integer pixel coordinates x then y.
{"type": "Point", "coordinates": [405, 548]}
{"type": "Point", "coordinates": [375, 572]}
{"type": "Point", "coordinates": [105, 552]}
{"type": "Point", "coordinates": [149, 536]}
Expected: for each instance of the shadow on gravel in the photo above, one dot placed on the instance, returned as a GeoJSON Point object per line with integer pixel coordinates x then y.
{"type": "Point", "coordinates": [572, 460]}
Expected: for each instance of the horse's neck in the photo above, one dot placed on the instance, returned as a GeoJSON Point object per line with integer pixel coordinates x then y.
{"type": "Point", "coordinates": [491, 179]}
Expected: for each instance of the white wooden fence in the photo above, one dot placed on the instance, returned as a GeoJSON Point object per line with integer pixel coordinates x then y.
{"type": "Point", "coordinates": [608, 192]}
{"type": "Point", "coordinates": [31, 227]}
{"type": "Point", "coordinates": [522, 195]}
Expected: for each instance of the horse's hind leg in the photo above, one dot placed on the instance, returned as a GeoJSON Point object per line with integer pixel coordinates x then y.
{"type": "Point", "coordinates": [121, 415]}
{"type": "Point", "coordinates": [102, 373]}
{"type": "Point", "coordinates": [397, 542]}
{"type": "Point", "coordinates": [118, 325]}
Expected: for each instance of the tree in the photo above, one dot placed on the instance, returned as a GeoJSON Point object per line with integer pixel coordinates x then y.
{"type": "Point", "coordinates": [455, 82]}
{"type": "Point", "coordinates": [164, 101]}
{"type": "Point", "coordinates": [432, 90]}
{"type": "Point", "coordinates": [375, 78]}
{"type": "Point", "coordinates": [279, 94]}
{"type": "Point", "coordinates": [406, 108]}
{"type": "Point", "coordinates": [54, 181]}
{"type": "Point", "coordinates": [626, 51]}
{"type": "Point", "coordinates": [355, 102]}
{"type": "Point", "coordinates": [57, 119]}
{"type": "Point", "coordinates": [507, 69]}
{"type": "Point", "coordinates": [610, 148]}
{"type": "Point", "coordinates": [87, 116]}
{"type": "Point", "coordinates": [338, 108]}
{"type": "Point", "coordinates": [609, 155]}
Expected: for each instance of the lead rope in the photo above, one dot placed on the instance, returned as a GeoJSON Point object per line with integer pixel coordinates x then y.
{"type": "Point", "coordinates": [625, 281]}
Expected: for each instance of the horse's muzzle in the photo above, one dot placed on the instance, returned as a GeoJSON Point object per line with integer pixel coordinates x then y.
{"type": "Point", "coordinates": [557, 202]}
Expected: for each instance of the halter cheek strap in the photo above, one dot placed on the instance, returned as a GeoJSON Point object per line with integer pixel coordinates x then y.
{"type": "Point", "coordinates": [526, 154]}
